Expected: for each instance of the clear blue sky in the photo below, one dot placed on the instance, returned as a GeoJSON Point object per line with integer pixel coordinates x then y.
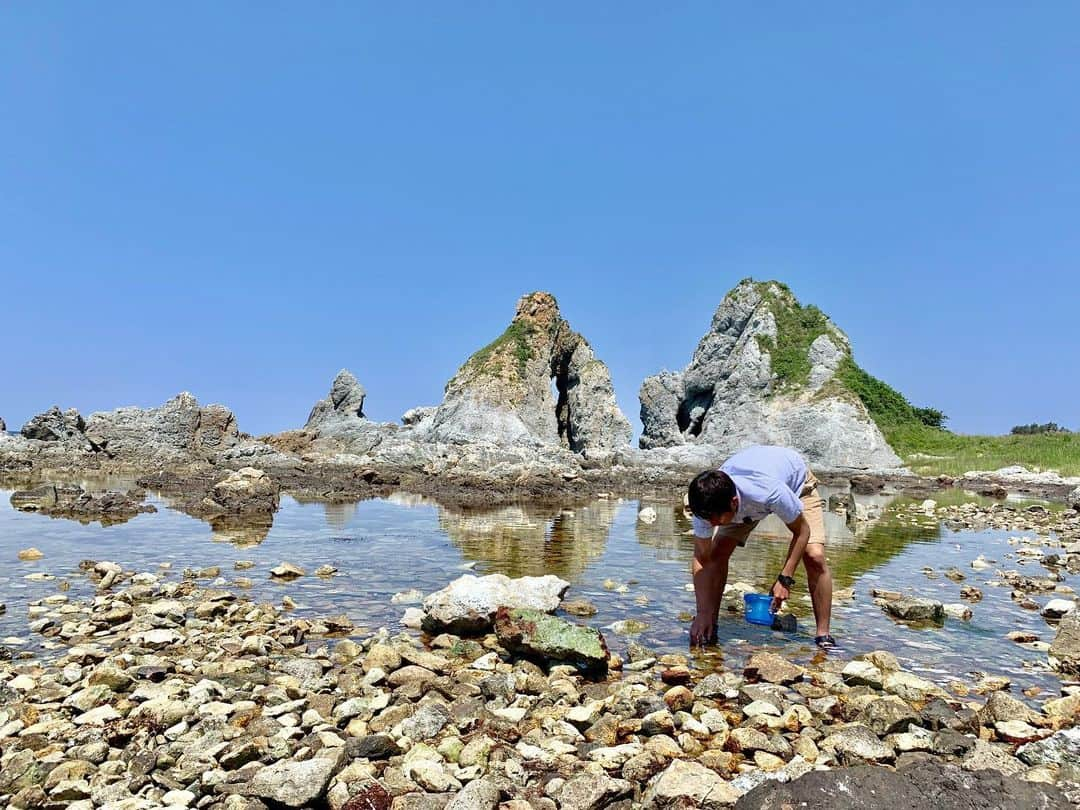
{"type": "Point", "coordinates": [238, 199]}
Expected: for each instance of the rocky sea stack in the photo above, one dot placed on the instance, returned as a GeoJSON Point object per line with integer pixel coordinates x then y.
{"type": "Point", "coordinates": [768, 371]}
{"type": "Point", "coordinates": [503, 393]}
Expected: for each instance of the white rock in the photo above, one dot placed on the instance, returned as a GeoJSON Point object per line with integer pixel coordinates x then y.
{"type": "Point", "coordinates": [1056, 608]}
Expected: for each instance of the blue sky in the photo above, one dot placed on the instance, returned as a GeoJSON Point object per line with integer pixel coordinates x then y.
{"type": "Point", "coordinates": [239, 199]}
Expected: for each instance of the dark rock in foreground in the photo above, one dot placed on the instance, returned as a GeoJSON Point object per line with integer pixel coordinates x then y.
{"type": "Point", "coordinates": [924, 784]}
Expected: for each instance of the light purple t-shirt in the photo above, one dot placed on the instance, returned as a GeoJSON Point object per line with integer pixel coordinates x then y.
{"type": "Point", "coordinates": [768, 481]}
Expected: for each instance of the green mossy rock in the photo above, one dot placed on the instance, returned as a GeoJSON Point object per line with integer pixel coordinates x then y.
{"type": "Point", "coordinates": [551, 640]}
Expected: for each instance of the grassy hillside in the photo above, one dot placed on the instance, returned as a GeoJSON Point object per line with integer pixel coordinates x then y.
{"type": "Point", "coordinates": [931, 452]}
{"type": "Point", "coordinates": [917, 434]}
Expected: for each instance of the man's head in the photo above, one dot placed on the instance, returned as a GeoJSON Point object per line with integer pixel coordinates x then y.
{"type": "Point", "coordinates": [712, 497]}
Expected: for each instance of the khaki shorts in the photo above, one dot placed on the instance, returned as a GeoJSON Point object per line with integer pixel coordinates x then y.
{"type": "Point", "coordinates": [813, 510]}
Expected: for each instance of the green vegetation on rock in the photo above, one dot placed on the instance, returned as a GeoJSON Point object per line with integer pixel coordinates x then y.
{"type": "Point", "coordinates": [516, 338]}
{"type": "Point", "coordinates": [796, 328]}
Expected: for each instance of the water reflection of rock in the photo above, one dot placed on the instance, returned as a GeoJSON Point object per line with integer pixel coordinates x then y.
{"type": "Point", "coordinates": [340, 515]}
{"type": "Point", "coordinates": [529, 540]}
{"type": "Point", "coordinates": [240, 532]}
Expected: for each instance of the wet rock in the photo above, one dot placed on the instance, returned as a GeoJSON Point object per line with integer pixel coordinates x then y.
{"type": "Point", "coordinates": [914, 609]}
{"type": "Point", "coordinates": [1057, 608]}
{"type": "Point", "coordinates": [28, 554]}
{"type": "Point", "coordinates": [467, 605]}
{"type": "Point", "coordinates": [247, 492]}
{"type": "Point", "coordinates": [579, 607]}
{"type": "Point", "coordinates": [958, 611]}
{"type": "Point", "coordinates": [286, 570]}
{"type": "Point", "coordinates": [551, 639]}
{"type": "Point", "coordinates": [872, 788]}
{"type": "Point", "coordinates": [688, 784]}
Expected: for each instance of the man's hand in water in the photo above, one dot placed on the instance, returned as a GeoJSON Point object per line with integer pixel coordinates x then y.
{"type": "Point", "coordinates": [702, 630]}
{"type": "Point", "coordinates": [779, 594]}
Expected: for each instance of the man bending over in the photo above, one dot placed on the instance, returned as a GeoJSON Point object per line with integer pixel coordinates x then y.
{"type": "Point", "coordinates": [728, 503]}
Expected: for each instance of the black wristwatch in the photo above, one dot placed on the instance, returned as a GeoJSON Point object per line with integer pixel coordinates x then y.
{"type": "Point", "coordinates": [787, 582]}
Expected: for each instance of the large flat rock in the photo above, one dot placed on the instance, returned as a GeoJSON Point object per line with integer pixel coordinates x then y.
{"type": "Point", "coordinates": [467, 605]}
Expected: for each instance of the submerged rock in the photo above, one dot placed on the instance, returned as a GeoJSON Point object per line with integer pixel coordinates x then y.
{"type": "Point", "coordinates": [247, 491]}
{"type": "Point", "coordinates": [467, 605]}
{"type": "Point", "coordinates": [755, 380]}
{"type": "Point", "coordinates": [535, 634]}
{"type": "Point", "coordinates": [914, 609]}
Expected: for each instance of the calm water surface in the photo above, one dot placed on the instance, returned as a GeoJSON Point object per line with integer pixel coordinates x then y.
{"type": "Point", "coordinates": [628, 569]}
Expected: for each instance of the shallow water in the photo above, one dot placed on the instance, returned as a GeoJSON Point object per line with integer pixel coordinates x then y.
{"type": "Point", "coordinates": [628, 569]}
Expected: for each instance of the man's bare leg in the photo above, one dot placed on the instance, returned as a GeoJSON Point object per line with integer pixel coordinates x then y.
{"type": "Point", "coordinates": [819, 580]}
{"type": "Point", "coordinates": [710, 571]}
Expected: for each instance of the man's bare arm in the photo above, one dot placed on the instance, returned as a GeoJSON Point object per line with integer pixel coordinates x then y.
{"type": "Point", "coordinates": [800, 536]}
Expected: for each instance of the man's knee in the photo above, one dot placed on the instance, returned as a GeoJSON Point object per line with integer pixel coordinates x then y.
{"type": "Point", "coordinates": [814, 557]}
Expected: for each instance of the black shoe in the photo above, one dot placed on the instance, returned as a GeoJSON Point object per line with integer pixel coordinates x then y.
{"type": "Point", "coordinates": [827, 643]}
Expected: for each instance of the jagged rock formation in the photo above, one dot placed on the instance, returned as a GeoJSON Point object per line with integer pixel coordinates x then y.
{"type": "Point", "coordinates": [503, 393]}
{"type": "Point", "coordinates": [3, 425]}
{"type": "Point", "coordinates": [178, 431]}
{"type": "Point", "coordinates": [56, 426]}
{"type": "Point", "coordinates": [180, 428]}
{"type": "Point", "coordinates": [767, 372]}
{"type": "Point", "coordinates": [345, 401]}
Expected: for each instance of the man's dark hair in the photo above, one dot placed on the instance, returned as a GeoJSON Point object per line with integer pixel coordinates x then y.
{"type": "Point", "coordinates": [711, 493]}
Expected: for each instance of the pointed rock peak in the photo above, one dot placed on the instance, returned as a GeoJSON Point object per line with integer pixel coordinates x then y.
{"type": "Point", "coordinates": [345, 400]}
{"type": "Point", "coordinates": [538, 309]}
{"type": "Point", "coordinates": [516, 373]}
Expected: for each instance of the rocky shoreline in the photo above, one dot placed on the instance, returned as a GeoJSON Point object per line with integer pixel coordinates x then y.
{"type": "Point", "coordinates": [165, 692]}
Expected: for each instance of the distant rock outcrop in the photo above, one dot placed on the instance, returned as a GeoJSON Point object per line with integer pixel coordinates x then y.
{"type": "Point", "coordinates": [181, 428]}
{"type": "Point", "coordinates": [766, 372]}
{"type": "Point", "coordinates": [345, 401]}
{"type": "Point", "coordinates": [56, 426]}
{"type": "Point", "coordinates": [503, 393]}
